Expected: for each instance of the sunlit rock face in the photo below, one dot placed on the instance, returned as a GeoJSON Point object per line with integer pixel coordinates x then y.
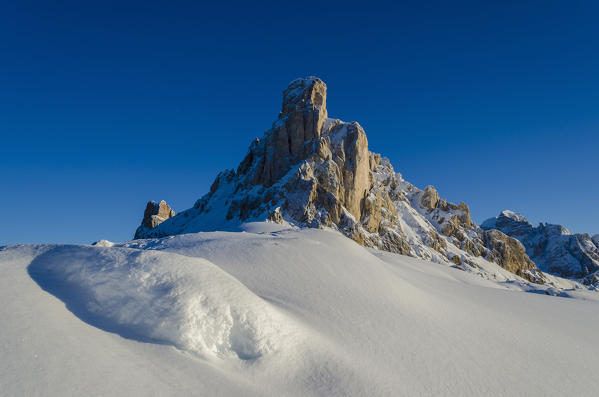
{"type": "Point", "coordinates": [315, 171]}
{"type": "Point", "coordinates": [154, 215]}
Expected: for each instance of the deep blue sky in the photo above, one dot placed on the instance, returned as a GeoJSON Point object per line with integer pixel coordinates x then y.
{"type": "Point", "coordinates": [104, 106]}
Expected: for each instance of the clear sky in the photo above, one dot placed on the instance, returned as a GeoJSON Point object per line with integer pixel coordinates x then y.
{"type": "Point", "coordinates": [106, 105]}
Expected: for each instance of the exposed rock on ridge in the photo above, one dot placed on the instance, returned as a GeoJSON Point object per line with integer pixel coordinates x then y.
{"type": "Point", "coordinates": [318, 172]}
{"type": "Point", "coordinates": [511, 255]}
{"type": "Point", "coordinates": [154, 215]}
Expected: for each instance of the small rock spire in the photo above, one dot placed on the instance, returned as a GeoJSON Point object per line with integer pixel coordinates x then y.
{"type": "Point", "coordinates": [154, 215]}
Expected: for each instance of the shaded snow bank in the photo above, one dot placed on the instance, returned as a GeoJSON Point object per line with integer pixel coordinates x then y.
{"type": "Point", "coordinates": [160, 297]}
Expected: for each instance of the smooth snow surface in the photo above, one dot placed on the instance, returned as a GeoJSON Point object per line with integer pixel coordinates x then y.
{"type": "Point", "coordinates": [280, 311]}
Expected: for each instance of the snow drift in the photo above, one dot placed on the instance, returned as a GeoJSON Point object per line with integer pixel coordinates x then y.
{"type": "Point", "coordinates": [159, 297]}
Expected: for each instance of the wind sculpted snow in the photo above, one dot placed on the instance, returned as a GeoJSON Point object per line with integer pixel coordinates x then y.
{"type": "Point", "coordinates": [157, 297]}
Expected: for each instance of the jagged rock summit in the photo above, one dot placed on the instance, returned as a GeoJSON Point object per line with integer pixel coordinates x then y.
{"type": "Point", "coordinates": [315, 171]}
{"type": "Point", "coordinates": [553, 248]}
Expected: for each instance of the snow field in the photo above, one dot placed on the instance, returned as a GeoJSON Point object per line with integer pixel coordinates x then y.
{"type": "Point", "coordinates": [275, 311]}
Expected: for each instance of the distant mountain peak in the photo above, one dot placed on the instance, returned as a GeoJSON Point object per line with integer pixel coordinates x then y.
{"type": "Point", "coordinates": [514, 215]}
{"type": "Point", "coordinates": [509, 222]}
{"type": "Point", "coordinates": [554, 248]}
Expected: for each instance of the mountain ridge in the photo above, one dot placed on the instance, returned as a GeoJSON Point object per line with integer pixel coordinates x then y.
{"type": "Point", "coordinates": [554, 248]}
{"type": "Point", "coordinates": [314, 171]}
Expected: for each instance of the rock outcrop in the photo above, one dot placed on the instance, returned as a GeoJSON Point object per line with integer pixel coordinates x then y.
{"type": "Point", "coordinates": [511, 255]}
{"type": "Point", "coordinates": [154, 215]}
{"type": "Point", "coordinates": [552, 247]}
{"type": "Point", "coordinates": [314, 171]}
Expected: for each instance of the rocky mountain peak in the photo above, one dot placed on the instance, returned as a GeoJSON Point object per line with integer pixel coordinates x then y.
{"type": "Point", "coordinates": [305, 95]}
{"type": "Point", "coordinates": [301, 121]}
{"type": "Point", "coordinates": [314, 171]}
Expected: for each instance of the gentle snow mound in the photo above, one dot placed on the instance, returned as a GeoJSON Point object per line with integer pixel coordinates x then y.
{"type": "Point", "coordinates": [103, 243]}
{"type": "Point", "coordinates": [151, 295]}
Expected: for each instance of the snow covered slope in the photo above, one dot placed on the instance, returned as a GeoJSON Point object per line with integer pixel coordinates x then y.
{"type": "Point", "coordinates": [279, 311]}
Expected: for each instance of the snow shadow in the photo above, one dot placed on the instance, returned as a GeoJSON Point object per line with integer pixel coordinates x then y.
{"type": "Point", "coordinates": [42, 271]}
